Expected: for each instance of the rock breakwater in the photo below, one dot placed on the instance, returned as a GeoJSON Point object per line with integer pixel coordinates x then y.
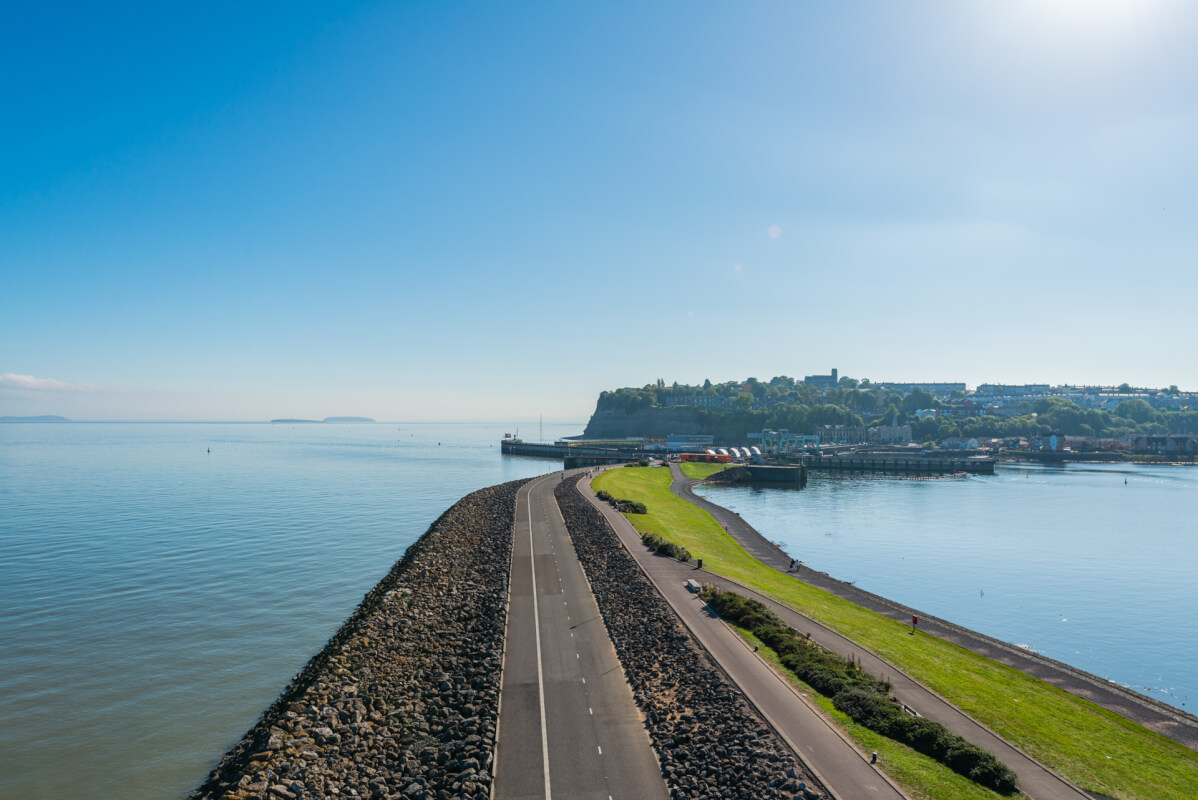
{"type": "Point", "coordinates": [710, 742]}
{"type": "Point", "coordinates": [402, 703]}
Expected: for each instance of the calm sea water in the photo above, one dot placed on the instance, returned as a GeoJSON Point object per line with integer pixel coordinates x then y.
{"type": "Point", "coordinates": [1070, 561]}
{"type": "Point", "coordinates": [155, 597]}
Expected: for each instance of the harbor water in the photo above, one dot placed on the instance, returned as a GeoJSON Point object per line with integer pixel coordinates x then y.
{"type": "Point", "coordinates": [1093, 565]}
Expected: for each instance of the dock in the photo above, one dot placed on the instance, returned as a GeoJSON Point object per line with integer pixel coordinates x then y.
{"type": "Point", "coordinates": [886, 462]}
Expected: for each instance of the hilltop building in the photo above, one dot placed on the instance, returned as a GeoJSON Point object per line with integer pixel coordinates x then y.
{"type": "Point", "coordinates": [934, 388]}
{"type": "Point", "coordinates": [823, 381]}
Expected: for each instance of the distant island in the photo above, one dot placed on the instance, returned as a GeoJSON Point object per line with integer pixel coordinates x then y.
{"type": "Point", "coordinates": [43, 418]}
{"type": "Point", "coordinates": [319, 421]}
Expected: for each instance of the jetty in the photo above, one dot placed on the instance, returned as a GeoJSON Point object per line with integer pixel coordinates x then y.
{"type": "Point", "coordinates": [576, 455]}
{"type": "Point", "coordinates": [937, 464]}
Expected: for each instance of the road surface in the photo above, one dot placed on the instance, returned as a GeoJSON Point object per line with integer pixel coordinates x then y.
{"type": "Point", "coordinates": [568, 725]}
{"type": "Point", "coordinates": [845, 770]}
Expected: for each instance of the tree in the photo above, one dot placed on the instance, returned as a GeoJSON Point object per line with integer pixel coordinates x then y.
{"type": "Point", "coordinates": [1173, 390]}
{"type": "Point", "coordinates": [891, 415]}
{"type": "Point", "coordinates": [1136, 410]}
{"type": "Point", "coordinates": [1124, 388]}
{"type": "Point", "coordinates": [755, 387]}
{"type": "Point", "coordinates": [846, 382]}
{"type": "Point", "coordinates": [1047, 405]}
{"type": "Point", "coordinates": [707, 383]}
{"type": "Point", "coordinates": [920, 399]}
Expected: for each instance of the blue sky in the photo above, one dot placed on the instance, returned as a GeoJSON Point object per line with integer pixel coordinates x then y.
{"type": "Point", "coordinates": [471, 211]}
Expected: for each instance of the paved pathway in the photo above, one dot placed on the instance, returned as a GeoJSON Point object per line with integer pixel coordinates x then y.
{"type": "Point", "coordinates": [568, 725]}
{"type": "Point", "coordinates": [1153, 714]}
{"type": "Point", "coordinates": [1036, 780]}
{"type": "Point", "coordinates": [835, 761]}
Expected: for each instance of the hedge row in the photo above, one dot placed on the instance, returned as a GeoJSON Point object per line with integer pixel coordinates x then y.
{"type": "Point", "coordinates": [867, 700]}
{"type": "Point", "coordinates": [627, 506]}
{"type": "Point", "coordinates": [660, 545]}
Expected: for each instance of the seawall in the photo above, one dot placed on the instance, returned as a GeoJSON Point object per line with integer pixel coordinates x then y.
{"type": "Point", "coordinates": [403, 700]}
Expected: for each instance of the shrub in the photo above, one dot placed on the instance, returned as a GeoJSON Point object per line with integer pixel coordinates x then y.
{"type": "Point", "coordinates": [633, 507]}
{"type": "Point", "coordinates": [864, 699]}
{"type": "Point", "coordinates": [660, 545]}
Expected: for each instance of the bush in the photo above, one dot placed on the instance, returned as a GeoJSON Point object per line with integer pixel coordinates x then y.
{"type": "Point", "coordinates": [633, 507]}
{"type": "Point", "coordinates": [603, 495]}
{"type": "Point", "coordinates": [866, 700]}
{"type": "Point", "coordinates": [660, 545]}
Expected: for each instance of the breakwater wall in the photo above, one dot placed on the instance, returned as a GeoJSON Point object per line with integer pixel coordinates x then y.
{"type": "Point", "coordinates": [541, 450]}
{"type": "Point", "coordinates": [403, 701]}
{"type": "Point", "coordinates": [791, 476]}
{"type": "Point", "coordinates": [929, 465]}
{"type": "Point", "coordinates": [709, 741]}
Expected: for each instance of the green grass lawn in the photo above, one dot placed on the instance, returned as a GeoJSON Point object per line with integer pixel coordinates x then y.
{"type": "Point", "coordinates": [921, 777]}
{"type": "Point", "coordinates": [1095, 748]}
{"type": "Point", "coordinates": [700, 470]}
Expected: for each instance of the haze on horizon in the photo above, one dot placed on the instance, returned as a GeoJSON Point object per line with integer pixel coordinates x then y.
{"type": "Point", "coordinates": [421, 211]}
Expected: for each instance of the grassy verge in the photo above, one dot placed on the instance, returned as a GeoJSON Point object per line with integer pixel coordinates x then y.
{"type": "Point", "coordinates": [700, 470]}
{"type": "Point", "coordinates": [920, 777]}
{"type": "Point", "coordinates": [1095, 748]}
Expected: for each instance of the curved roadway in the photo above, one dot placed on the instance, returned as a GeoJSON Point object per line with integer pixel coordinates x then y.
{"type": "Point", "coordinates": [1149, 712]}
{"type": "Point", "coordinates": [1035, 779]}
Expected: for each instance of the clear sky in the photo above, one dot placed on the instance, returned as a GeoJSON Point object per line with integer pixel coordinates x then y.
{"type": "Point", "coordinates": [493, 210]}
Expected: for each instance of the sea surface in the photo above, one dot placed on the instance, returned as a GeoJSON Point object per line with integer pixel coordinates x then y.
{"type": "Point", "coordinates": [160, 584]}
{"type": "Point", "coordinates": [1093, 565]}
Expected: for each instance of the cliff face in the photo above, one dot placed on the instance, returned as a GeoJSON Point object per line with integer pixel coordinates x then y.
{"type": "Point", "coordinates": [653, 422]}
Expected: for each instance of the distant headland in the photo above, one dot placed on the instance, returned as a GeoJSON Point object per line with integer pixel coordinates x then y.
{"type": "Point", "coordinates": [43, 418]}
{"type": "Point", "coordinates": [319, 421]}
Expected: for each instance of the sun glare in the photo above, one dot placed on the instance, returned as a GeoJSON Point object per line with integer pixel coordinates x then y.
{"type": "Point", "coordinates": [1090, 18]}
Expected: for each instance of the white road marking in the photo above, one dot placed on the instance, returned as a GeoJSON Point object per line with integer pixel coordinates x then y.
{"type": "Point", "coordinates": [536, 620]}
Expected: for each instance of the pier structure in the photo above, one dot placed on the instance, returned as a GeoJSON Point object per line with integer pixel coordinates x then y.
{"type": "Point", "coordinates": [888, 462]}
{"type": "Point", "coordinates": [517, 447]}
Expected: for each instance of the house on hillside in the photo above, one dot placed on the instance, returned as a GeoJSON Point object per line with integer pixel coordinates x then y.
{"type": "Point", "coordinates": [1173, 444]}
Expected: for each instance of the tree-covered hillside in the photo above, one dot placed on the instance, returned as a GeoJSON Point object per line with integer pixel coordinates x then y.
{"type": "Point", "coordinates": [732, 409]}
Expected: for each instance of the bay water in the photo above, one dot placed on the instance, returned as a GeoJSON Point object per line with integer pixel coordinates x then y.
{"type": "Point", "coordinates": [1093, 565]}
{"type": "Point", "coordinates": [161, 583]}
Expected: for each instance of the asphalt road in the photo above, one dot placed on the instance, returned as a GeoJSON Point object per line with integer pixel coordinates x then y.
{"type": "Point", "coordinates": [568, 726]}
{"type": "Point", "coordinates": [1036, 780]}
{"type": "Point", "coordinates": [845, 770]}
